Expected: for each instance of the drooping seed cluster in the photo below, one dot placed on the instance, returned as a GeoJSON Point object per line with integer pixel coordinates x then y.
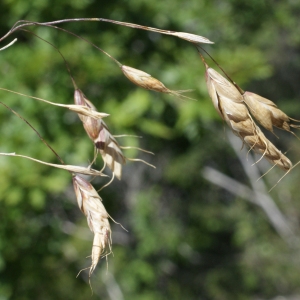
{"type": "Point", "coordinates": [235, 106]}
{"type": "Point", "coordinates": [104, 142]}
{"type": "Point", "coordinates": [91, 205]}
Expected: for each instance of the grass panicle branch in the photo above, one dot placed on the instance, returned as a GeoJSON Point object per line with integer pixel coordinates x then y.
{"type": "Point", "coordinates": [193, 38]}
{"type": "Point", "coordinates": [80, 109]}
{"type": "Point", "coordinates": [37, 133]}
{"type": "Point", "coordinates": [72, 169]}
{"type": "Point", "coordinates": [8, 45]}
{"type": "Point", "coordinates": [236, 107]}
{"type": "Point", "coordinates": [136, 76]}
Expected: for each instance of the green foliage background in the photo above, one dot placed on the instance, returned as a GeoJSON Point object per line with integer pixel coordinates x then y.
{"type": "Point", "coordinates": [187, 238]}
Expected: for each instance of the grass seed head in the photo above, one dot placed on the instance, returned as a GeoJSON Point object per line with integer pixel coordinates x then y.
{"type": "Point", "coordinates": [103, 140]}
{"type": "Point", "coordinates": [144, 79]}
{"type": "Point", "coordinates": [91, 125]}
{"type": "Point", "coordinates": [148, 82]}
{"type": "Point", "coordinates": [266, 112]}
{"type": "Point", "coordinates": [79, 99]}
{"type": "Point", "coordinates": [110, 150]}
{"type": "Point", "coordinates": [91, 205]}
{"type": "Point", "coordinates": [261, 145]}
{"type": "Point", "coordinates": [193, 38]}
{"type": "Point", "coordinates": [230, 105]}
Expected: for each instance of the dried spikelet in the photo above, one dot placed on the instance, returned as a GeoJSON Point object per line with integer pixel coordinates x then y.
{"type": "Point", "coordinates": [70, 168]}
{"type": "Point", "coordinates": [193, 38]}
{"type": "Point", "coordinates": [86, 111]}
{"type": "Point", "coordinates": [81, 100]}
{"type": "Point", "coordinates": [103, 140]}
{"type": "Point", "coordinates": [91, 205]}
{"type": "Point", "coordinates": [229, 103]}
{"type": "Point", "coordinates": [261, 145]}
{"type": "Point", "coordinates": [148, 82]}
{"type": "Point", "coordinates": [80, 109]}
{"type": "Point", "coordinates": [110, 150]}
{"type": "Point", "coordinates": [266, 112]}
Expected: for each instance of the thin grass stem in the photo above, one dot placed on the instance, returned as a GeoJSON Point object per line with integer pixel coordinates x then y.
{"type": "Point", "coordinates": [38, 134]}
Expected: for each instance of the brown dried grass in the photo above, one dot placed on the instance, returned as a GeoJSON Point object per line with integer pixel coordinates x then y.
{"type": "Point", "coordinates": [230, 105]}
{"type": "Point", "coordinates": [91, 205]}
{"type": "Point", "coordinates": [146, 81]}
{"type": "Point", "coordinates": [267, 113]}
{"type": "Point", "coordinates": [99, 133]}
